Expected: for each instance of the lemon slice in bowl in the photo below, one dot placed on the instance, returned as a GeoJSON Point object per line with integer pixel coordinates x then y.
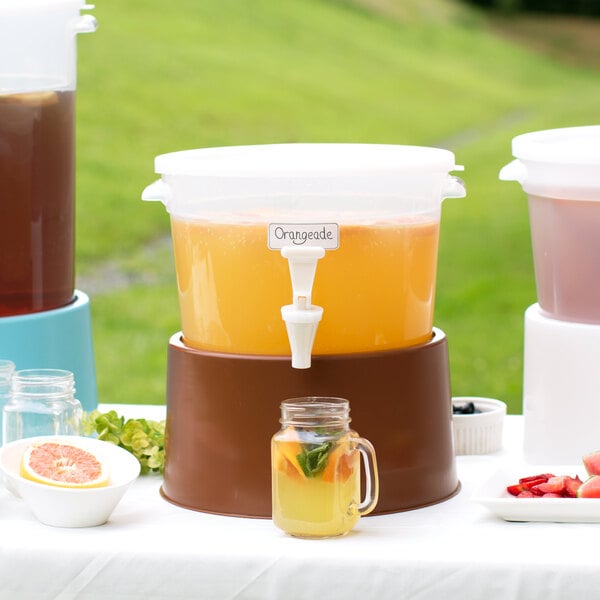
{"type": "Point", "coordinates": [63, 465]}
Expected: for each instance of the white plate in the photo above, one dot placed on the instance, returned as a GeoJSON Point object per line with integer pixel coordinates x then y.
{"type": "Point", "coordinates": [493, 495]}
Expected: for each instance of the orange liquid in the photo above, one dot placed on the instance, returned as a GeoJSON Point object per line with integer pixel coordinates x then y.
{"type": "Point", "coordinates": [377, 289]}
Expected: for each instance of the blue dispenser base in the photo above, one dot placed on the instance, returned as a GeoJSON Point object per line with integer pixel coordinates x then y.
{"type": "Point", "coordinates": [55, 339]}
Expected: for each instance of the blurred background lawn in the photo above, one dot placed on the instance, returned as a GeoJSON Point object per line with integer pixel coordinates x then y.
{"type": "Point", "coordinates": [156, 78]}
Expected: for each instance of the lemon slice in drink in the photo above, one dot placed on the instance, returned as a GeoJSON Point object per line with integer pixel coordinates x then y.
{"type": "Point", "coordinates": [63, 465]}
{"type": "Point", "coordinates": [31, 98]}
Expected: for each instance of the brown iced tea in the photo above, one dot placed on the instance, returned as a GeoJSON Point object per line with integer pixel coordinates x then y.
{"type": "Point", "coordinates": [36, 201]}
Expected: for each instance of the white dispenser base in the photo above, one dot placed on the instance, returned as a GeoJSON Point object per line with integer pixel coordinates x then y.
{"type": "Point", "coordinates": [561, 389]}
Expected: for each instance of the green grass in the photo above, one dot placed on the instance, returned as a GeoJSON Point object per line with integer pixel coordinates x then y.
{"type": "Point", "coordinates": [154, 79]}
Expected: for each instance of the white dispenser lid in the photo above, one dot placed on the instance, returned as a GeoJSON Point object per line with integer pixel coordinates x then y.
{"type": "Point", "coordinates": [566, 146]}
{"type": "Point", "coordinates": [385, 178]}
{"type": "Point", "coordinates": [37, 44]}
{"type": "Point", "coordinates": [557, 163]}
{"type": "Point", "coordinates": [19, 5]}
{"type": "Point", "coordinates": [306, 160]}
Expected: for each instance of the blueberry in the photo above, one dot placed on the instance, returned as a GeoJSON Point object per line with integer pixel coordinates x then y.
{"type": "Point", "coordinates": [468, 408]}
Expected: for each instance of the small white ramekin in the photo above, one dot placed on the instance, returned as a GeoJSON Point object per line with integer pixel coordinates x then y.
{"type": "Point", "coordinates": [478, 433]}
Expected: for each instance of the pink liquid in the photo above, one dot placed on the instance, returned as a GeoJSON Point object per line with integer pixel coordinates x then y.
{"type": "Point", "coordinates": [36, 201]}
{"type": "Point", "coordinates": [566, 247]}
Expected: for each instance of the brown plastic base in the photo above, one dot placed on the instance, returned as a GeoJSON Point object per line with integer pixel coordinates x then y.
{"type": "Point", "coordinates": [223, 409]}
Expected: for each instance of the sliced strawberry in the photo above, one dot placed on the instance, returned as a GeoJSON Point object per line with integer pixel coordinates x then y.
{"type": "Point", "coordinates": [572, 484]}
{"type": "Point", "coordinates": [554, 485]}
{"type": "Point", "coordinates": [544, 476]}
{"type": "Point", "coordinates": [515, 489]}
{"type": "Point", "coordinates": [524, 486]}
{"type": "Point", "coordinates": [526, 494]}
{"type": "Point", "coordinates": [546, 485]}
{"type": "Point", "coordinates": [529, 485]}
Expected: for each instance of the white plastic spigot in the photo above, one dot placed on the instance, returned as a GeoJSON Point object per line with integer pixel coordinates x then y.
{"type": "Point", "coordinates": [301, 325]}
{"type": "Point", "coordinates": [302, 318]}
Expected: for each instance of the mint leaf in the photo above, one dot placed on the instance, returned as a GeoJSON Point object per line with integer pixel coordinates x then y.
{"type": "Point", "coordinates": [313, 459]}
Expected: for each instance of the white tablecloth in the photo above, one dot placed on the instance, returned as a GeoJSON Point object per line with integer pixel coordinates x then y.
{"type": "Point", "coordinates": [151, 549]}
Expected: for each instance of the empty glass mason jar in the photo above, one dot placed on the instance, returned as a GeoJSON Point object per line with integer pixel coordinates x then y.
{"type": "Point", "coordinates": [7, 368]}
{"type": "Point", "coordinates": [315, 462]}
{"type": "Point", "coordinates": [42, 402]}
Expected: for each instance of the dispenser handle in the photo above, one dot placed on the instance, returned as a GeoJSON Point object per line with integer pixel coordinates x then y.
{"type": "Point", "coordinates": [513, 171]}
{"type": "Point", "coordinates": [86, 23]}
{"type": "Point", "coordinates": [454, 188]}
{"type": "Point", "coordinates": [157, 191]}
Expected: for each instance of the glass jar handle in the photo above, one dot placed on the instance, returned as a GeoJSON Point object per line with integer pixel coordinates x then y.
{"type": "Point", "coordinates": [372, 477]}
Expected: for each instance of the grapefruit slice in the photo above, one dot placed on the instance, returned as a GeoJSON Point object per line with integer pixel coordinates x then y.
{"type": "Point", "coordinates": [63, 465]}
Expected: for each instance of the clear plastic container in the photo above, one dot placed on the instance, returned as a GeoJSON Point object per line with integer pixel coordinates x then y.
{"type": "Point", "coordinates": [37, 161]}
{"type": "Point", "coordinates": [375, 209]}
{"type": "Point", "coordinates": [559, 170]}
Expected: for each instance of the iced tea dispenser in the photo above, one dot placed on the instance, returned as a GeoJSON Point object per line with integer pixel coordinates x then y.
{"type": "Point", "coordinates": [38, 67]}
{"type": "Point", "coordinates": [304, 270]}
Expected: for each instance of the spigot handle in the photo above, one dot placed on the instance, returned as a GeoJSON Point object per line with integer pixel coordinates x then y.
{"type": "Point", "coordinates": [301, 325]}
{"type": "Point", "coordinates": [303, 265]}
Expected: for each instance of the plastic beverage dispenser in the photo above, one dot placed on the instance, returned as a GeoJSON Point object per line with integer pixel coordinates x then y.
{"type": "Point", "coordinates": [305, 269]}
{"type": "Point", "coordinates": [44, 320]}
{"type": "Point", "coordinates": [559, 170]}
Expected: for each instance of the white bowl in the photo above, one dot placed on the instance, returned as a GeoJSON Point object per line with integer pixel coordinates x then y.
{"type": "Point", "coordinates": [478, 433]}
{"type": "Point", "coordinates": [69, 507]}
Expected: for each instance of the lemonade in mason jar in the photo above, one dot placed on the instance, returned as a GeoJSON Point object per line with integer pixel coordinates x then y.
{"type": "Point", "coordinates": [316, 469]}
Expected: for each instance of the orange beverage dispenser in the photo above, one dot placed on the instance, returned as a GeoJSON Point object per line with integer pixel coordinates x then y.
{"type": "Point", "coordinates": [305, 269]}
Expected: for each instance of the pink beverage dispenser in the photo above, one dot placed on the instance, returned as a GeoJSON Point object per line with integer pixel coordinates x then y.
{"type": "Point", "coordinates": [305, 270]}
{"type": "Point", "coordinates": [44, 320]}
{"type": "Point", "coordinates": [559, 170]}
